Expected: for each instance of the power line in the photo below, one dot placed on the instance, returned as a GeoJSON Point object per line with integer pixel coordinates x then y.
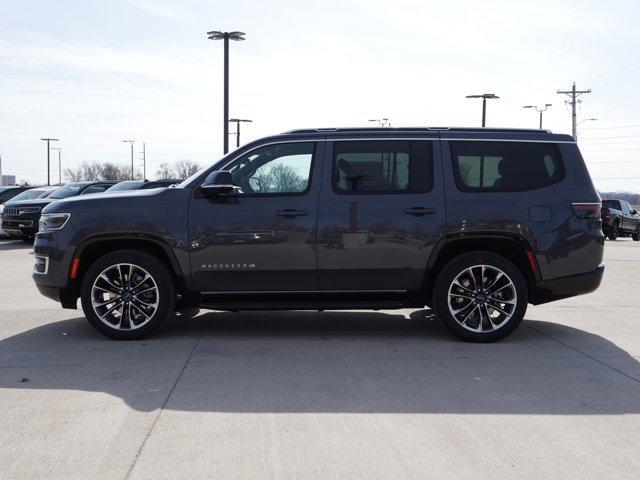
{"type": "Point", "coordinates": [573, 94]}
{"type": "Point", "coordinates": [615, 69]}
{"type": "Point", "coordinates": [612, 128]}
{"type": "Point", "coordinates": [617, 136]}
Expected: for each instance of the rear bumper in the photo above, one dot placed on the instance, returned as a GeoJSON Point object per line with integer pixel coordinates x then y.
{"type": "Point", "coordinates": [564, 287]}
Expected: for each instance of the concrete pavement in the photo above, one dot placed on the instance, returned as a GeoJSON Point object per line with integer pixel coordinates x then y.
{"type": "Point", "coordinates": [306, 395]}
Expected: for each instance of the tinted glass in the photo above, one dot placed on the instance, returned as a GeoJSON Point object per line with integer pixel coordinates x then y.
{"type": "Point", "coordinates": [615, 204]}
{"type": "Point", "coordinates": [9, 193]}
{"type": "Point", "coordinates": [67, 191]}
{"type": "Point", "coordinates": [626, 208]}
{"type": "Point", "coordinates": [95, 189]}
{"type": "Point", "coordinates": [505, 166]}
{"type": "Point", "coordinates": [274, 169]}
{"type": "Point", "coordinates": [376, 166]}
{"type": "Point", "coordinates": [30, 194]}
{"type": "Point", "coordinates": [126, 186]}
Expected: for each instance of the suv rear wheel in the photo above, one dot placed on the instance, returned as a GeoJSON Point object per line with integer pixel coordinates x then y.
{"type": "Point", "coordinates": [613, 232]}
{"type": "Point", "coordinates": [480, 296]}
{"type": "Point", "coordinates": [127, 294]}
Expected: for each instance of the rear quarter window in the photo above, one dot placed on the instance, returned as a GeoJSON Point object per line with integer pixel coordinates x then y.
{"type": "Point", "coordinates": [505, 166]}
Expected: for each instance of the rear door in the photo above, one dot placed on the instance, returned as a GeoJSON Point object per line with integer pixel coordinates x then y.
{"type": "Point", "coordinates": [381, 212]}
{"type": "Point", "coordinates": [262, 237]}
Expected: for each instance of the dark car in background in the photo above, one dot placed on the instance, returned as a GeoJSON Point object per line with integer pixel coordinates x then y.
{"type": "Point", "coordinates": [36, 192]}
{"type": "Point", "coordinates": [7, 193]}
{"type": "Point", "coordinates": [620, 219]}
{"type": "Point", "coordinates": [21, 218]}
{"type": "Point", "coordinates": [128, 185]}
{"type": "Point", "coordinates": [474, 223]}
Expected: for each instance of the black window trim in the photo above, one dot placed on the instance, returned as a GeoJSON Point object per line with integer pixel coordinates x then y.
{"type": "Point", "coordinates": [467, 189]}
{"type": "Point", "coordinates": [331, 158]}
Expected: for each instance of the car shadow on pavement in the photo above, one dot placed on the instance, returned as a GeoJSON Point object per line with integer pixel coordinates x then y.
{"type": "Point", "coordinates": [333, 362]}
{"type": "Point", "coordinates": [14, 245]}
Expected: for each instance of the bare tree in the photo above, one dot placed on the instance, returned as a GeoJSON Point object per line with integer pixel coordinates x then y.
{"type": "Point", "coordinates": [165, 171]}
{"type": "Point", "coordinates": [112, 171]}
{"type": "Point", "coordinates": [286, 179]}
{"type": "Point", "coordinates": [73, 174]}
{"type": "Point", "coordinates": [185, 168]}
{"type": "Point", "coordinates": [90, 171]}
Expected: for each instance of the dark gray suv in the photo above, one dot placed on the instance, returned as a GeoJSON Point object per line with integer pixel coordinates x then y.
{"type": "Point", "coordinates": [474, 223]}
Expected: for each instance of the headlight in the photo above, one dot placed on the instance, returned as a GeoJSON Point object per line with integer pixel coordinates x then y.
{"type": "Point", "coordinates": [53, 221]}
{"type": "Point", "coordinates": [29, 210]}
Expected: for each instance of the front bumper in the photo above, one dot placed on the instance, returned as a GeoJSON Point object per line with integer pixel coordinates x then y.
{"type": "Point", "coordinates": [67, 296]}
{"type": "Point", "coordinates": [19, 226]}
{"type": "Point", "coordinates": [570, 286]}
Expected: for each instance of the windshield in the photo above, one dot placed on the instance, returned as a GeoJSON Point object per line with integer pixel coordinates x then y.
{"type": "Point", "coordinates": [67, 191]}
{"type": "Point", "coordinates": [125, 186]}
{"type": "Point", "coordinates": [611, 204]}
{"type": "Point", "coordinates": [31, 194]}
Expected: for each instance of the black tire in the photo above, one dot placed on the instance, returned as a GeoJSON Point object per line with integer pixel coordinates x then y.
{"type": "Point", "coordinates": [166, 293]}
{"type": "Point", "coordinates": [636, 236]}
{"type": "Point", "coordinates": [614, 231]}
{"type": "Point", "coordinates": [457, 266]}
{"type": "Point", "coordinates": [27, 239]}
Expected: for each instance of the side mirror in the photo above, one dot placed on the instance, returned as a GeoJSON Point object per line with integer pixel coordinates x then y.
{"type": "Point", "coordinates": [219, 182]}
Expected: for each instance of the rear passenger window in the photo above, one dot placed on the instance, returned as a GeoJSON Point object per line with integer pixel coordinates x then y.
{"type": "Point", "coordinates": [505, 166]}
{"type": "Point", "coordinates": [393, 166]}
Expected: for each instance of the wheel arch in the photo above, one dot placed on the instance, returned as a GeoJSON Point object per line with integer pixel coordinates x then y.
{"type": "Point", "coordinates": [513, 247]}
{"type": "Point", "coordinates": [95, 247]}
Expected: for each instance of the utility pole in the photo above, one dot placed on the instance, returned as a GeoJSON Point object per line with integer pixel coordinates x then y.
{"type": "Point", "coordinates": [49, 140]}
{"type": "Point", "coordinates": [573, 94]}
{"type": "Point", "coordinates": [130, 142]}
{"type": "Point", "coordinates": [144, 160]}
{"type": "Point", "coordinates": [59, 164]}
{"type": "Point", "coordinates": [237, 121]}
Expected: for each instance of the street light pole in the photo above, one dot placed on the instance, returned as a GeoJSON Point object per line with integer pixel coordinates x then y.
{"type": "Point", "coordinates": [226, 36]}
{"type": "Point", "coordinates": [575, 136]}
{"type": "Point", "coordinates": [237, 121]}
{"type": "Point", "coordinates": [130, 142]}
{"type": "Point", "coordinates": [49, 140]}
{"type": "Point", "coordinates": [484, 98]}
{"type": "Point", "coordinates": [540, 110]}
{"type": "Point", "coordinates": [59, 163]}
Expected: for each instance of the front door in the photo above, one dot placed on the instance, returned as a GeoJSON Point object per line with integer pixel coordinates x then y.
{"type": "Point", "coordinates": [381, 212]}
{"type": "Point", "coordinates": [261, 237]}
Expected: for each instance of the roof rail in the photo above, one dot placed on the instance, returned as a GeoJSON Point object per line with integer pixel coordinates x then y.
{"type": "Point", "coordinates": [416, 129]}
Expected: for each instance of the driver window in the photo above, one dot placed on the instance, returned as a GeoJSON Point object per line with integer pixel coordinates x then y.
{"type": "Point", "coordinates": [274, 169]}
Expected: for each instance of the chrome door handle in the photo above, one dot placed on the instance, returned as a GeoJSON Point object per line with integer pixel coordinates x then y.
{"type": "Point", "coordinates": [290, 213]}
{"type": "Point", "coordinates": [420, 211]}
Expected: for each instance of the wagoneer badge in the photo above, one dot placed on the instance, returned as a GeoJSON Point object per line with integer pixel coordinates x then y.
{"type": "Point", "coordinates": [227, 266]}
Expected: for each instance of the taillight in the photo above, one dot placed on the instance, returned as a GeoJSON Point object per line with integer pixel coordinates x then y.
{"type": "Point", "coordinates": [606, 213]}
{"type": "Point", "coordinates": [586, 211]}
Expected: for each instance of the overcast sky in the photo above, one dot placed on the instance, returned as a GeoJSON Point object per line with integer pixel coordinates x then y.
{"type": "Point", "coordinates": [94, 73]}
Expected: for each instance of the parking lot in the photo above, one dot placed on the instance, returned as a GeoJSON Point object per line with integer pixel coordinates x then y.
{"type": "Point", "coordinates": [303, 395]}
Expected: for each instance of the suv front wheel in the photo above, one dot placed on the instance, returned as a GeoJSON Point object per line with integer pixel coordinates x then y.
{"type": "Point", "coordinates": [480, 296]}
{"type": "Point", "coordinates": [127, 294]}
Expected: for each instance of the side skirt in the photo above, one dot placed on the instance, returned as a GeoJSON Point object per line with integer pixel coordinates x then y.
{"type": "Point", "coordinates": [324, 300]}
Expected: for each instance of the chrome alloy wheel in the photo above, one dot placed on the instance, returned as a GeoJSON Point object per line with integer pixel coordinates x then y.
{"type": "Point", "coordinates": [482, 298]}
{"type": "Point", "coordinates": [124, 296]}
